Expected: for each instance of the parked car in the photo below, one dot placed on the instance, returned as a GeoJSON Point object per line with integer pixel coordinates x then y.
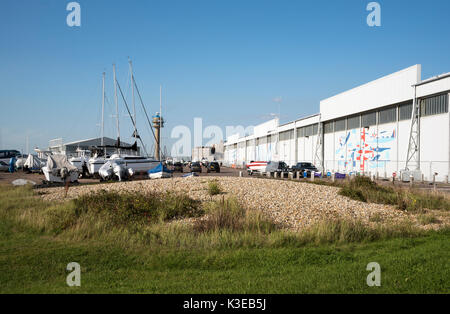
{"type": "Point", "coordinates": [266, 166]}
{"type": "Point", "coordinates": [178, 167]}
{"type": "Point", "coordinates": [196, 167]}
{"type": "Point", "coordinates": [282, 167]}
{"type": "Point", "coordinates": [304, 166]}
{"type": "Point", "coordinates": [213, 166]}
{"type": "Point", "coordinates": [4, 166]}
{"type": "Point", "coordinates": [204, 162]}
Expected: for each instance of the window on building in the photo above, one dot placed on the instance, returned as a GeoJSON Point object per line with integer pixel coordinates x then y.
{"type": "Point", "coordinates": [404, 111]}
{"type": "Point", "coordinates": [339, 125]}
{"type": "Point", "coordinates": [309, 130]}
{"type": "Point", "coordinates": [387, 115]}
{"type": "Point", "coordinates": [315, 128]}
{"type": "Point", "coordinates": [328, 127]}
{"type": "Point", "coordinates": [368, 119]}
{"type": "Point", "coordinates": [353, 123]}
{"type": "Point", "coordinates": [286, 135]}
{"type": "Point", "coordinates": [301, 132]}
{"type": "Point", "coordinates": [434, 105]}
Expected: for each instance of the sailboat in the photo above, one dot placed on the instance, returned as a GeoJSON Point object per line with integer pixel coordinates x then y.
{"type": "Point", "coordinates": [135, 162]}
{"type": "Point", "coordinates": [98, 160]}
{"type": "Point", "coordinates": [81, 160]}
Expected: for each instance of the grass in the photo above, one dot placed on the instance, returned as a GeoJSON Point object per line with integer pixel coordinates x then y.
{"type": "Point", "coordinates": [365, 190]}
{"type": "Point", "coordinates": [427, 219]}
{"type": "Point", "coordinates": [228, 215]}
{"type": "Point", "coordinates": [214, 188]}
{"type": "Point", "coordinates": [135, 244]}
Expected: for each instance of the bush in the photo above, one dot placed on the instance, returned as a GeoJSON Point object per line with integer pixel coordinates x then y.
{"type": "Point", "coordinates": [214, 188]}
{"type": "Point", "coordinates": [126, 208]}
{"type": "Point", "coordinates": [365, 190]}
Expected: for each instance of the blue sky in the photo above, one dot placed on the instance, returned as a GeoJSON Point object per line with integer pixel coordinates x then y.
{"type": "Point", "coordinates": [224, 61]}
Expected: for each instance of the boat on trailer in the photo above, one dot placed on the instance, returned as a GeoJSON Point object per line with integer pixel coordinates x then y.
{"type": "Point", "coordinates": [160, 171]}
{"type": "Point", "coordinates": [139, 164]}
{"type": "Point", "coordinates": [59, 170]}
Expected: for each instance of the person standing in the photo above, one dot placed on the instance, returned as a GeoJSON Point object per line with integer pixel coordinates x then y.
{"type": "Point", "coordinates": [12, 164]}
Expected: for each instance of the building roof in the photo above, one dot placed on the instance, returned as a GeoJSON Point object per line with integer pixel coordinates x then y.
{"type": "Point", "coordinates": [94, 142]}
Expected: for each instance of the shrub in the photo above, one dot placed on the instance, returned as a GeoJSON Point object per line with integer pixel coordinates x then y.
{"type": "Point", "coordinates": [214, 188]}
{"type": "Point", "coordinates": [125, 208]}
{"type": "Point", "coordinates": [365, 190]}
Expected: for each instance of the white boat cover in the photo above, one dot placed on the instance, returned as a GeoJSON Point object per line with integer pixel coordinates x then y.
{"type": "Point", "coordinates": [58, 162]}
{"type": "Point", "coordinates": [111, 168]}
{"type": "Point", "coordinates": [20, 162]}
{"type": "Point", "coordinates": [33, 162]}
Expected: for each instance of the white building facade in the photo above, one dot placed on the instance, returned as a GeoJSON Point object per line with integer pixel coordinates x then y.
{"type": "Point", "coordinates": [365, 129]}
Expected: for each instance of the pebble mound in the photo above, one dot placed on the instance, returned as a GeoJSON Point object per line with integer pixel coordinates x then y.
{"type": "Point", "coordinates": [294, 205]}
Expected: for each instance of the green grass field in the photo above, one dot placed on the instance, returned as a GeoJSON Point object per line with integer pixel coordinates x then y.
{"type": "Point", "coordinates": [34, 252]}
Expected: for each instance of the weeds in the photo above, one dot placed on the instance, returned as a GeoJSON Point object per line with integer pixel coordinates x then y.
{"type": "Point", "coordinates": [214, 188]}
{"type": "Point", "coordinates": [427, 219]}
{"type": "Point", "coordinates": [151, 221]}
{"type": "Point", "coordinates": [123, 208]}
{"type": "Point", "coordinates": [229, 215]}
{"type": "Point", "coordinates": [365, 190]}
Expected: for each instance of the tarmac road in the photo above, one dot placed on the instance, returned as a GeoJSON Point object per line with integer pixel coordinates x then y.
{"type": "Point", "coordinates": [6, 177]}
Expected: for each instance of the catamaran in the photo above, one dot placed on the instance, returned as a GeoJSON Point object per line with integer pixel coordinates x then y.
{"type": "Point", "coordinates": [135, 162]}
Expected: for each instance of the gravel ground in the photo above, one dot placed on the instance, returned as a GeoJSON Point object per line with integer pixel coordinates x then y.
{"type": "Point", "coordinates": [294, 205]}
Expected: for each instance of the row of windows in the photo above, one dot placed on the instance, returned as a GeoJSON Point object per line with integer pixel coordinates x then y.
{"type": "Point", "coordinates": [434, 105]}
{"type": "Point", "coordinates": [307, 130]}
{"type": "Point", "coordinates": [286, 135]}
{"type": "Point", "coordinates": [428, 106]}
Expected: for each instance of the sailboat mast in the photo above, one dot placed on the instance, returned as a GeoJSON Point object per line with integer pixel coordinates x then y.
{"type": "Point", "coordinates": [103, 109]}
{"type": "Point", "coordinates": [160, 118]}
{"type": "Point", "coordinates": [132, 97]}
{"type": "Point", "coordinates": [117, 104]}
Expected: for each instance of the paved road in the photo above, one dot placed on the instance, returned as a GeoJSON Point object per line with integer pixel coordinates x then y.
{"type": "Point", "coordinates": [6, 177]}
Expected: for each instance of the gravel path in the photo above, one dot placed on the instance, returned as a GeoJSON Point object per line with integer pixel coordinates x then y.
{"type": "Point", "coordinates": [292, 204]}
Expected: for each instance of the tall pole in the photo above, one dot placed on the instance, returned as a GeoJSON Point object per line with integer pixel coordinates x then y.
{"type": "Point", "coordinates": [103, 110]}
{"type": "Point", "coordinates": [117, 104]}
{"type": "Point", "coordinates": [132, 97]}
{"type": "Point", "coordinates": [160, 119]}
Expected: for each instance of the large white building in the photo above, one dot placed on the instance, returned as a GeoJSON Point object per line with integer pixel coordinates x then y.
{"type": "Point", "coordinates": [365, 129]}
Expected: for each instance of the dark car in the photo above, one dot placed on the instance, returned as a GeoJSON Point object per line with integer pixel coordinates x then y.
{"type": "Point", "coordinates": [304, 166]}
{"type": "Point", "coordinates": [196, 167]}
{"type": "Point", "coordinates": [282, 167]}
{"type": "Point", "coordinates": [178, 167]}
{"type": "Point", "coordinates": [213, 166]}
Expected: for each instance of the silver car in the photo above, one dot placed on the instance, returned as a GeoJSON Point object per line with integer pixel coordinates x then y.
{"type": "Point", "coordinates": [4, 166]}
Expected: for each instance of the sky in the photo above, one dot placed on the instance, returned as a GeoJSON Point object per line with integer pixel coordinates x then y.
{"type": "Point", "coordinates": [227, 62]}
